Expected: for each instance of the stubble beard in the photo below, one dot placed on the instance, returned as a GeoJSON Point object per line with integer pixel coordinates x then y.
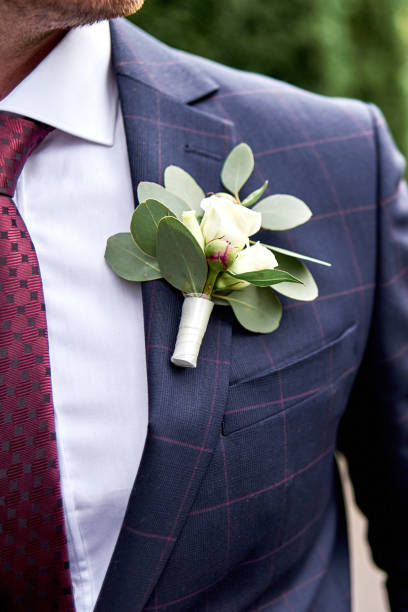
{"type": "Point", "coordinates": [42, 16]}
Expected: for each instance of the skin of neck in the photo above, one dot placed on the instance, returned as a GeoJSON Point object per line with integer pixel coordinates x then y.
{"type": "Point", "coordinates": [21, 50]}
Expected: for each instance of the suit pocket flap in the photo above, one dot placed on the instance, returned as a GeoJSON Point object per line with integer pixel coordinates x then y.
{"type": "Point", "coordinates": [295, 381]}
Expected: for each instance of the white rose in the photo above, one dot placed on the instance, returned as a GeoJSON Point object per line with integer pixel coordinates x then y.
{"type": "Point", "coordinates": [189, 219]}
{"type": "Point", "coordinates": [229, 221]}
{"type": "Point", "coordinates": [252, 259]}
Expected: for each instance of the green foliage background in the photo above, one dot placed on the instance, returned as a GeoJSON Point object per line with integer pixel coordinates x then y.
{"type": "Point", "coordinates": [353, 48]}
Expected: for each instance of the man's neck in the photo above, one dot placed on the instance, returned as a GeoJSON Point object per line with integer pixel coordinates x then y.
{"type": "Point", "coordinates": [18, 59]}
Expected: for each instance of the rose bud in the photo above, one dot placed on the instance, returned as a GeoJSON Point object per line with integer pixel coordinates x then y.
{"type": "Point", "coordinates": [220, 254]}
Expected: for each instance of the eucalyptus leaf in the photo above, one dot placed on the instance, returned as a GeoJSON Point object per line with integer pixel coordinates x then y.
{"type": "Point", "coordinates": [308, 291]}
{"type": "Point", "coordinates": [282, 212]}
{"type": "Point", "coordinates": [219, 301]}
{"type": "Point", "coordinates": [128, 261]}
{"type": "Point", "coordinates": [266, 278]}
{"type": "Point", "coordinates": [182, 184]}
{"type": "Point", "coordinates": [145, 222]}
{"type": "Point", "coordinates": [255, 195]}
{"type": "Point", "coordinates": [237, 168]}
{"type": "Point", "coordinates": [257, 308]}
{"type": "Point", "coordinates": [181, 259]}
{"type": "Point", "coordinates": [293, 254]}
{"type": "Point", "coordinates": [154, 191]}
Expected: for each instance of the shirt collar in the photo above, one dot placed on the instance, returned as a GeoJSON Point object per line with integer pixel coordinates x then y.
{"type": "Point", "coordinates": [73, 88]}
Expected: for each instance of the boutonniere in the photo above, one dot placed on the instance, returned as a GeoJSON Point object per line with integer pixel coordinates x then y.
{"type": "Point", "coordinates": [201, 245]}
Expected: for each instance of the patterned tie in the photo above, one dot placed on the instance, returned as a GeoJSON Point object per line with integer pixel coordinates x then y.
{"type": "Point", "coordinates": [34, 568]}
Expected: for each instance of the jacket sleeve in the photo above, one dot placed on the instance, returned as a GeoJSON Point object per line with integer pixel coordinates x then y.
{"type": "Point", "coordinates": [374, 431]}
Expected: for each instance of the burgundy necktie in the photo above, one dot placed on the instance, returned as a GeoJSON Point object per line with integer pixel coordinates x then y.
{"type": "Point", "coordinates": [34, 568]}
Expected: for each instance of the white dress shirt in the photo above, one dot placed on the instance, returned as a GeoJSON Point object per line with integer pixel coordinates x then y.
{"type": "Point", "coordinates": [74, 192]}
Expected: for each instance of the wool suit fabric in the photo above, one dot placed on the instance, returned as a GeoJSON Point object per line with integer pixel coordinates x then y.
{"type": "Point", "coordinates": [237, 505]}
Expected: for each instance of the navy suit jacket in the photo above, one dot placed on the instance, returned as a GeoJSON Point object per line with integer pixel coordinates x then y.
{"type": "Point", "coordinates": [237, 505]}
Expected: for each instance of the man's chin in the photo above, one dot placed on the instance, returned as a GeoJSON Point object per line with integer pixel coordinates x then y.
{"type": "Point", "coordinates": [48, 15]}
{"type": "Point", "coordinates": [118, 8]}
{"type": "Point", "coordinates": [135, 5]}
{"type": "Point", "coordinates": [89, 11]}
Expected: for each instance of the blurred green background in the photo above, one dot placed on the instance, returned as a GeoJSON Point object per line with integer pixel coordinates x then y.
{"type": "Point", "coordinates": [353, 48]}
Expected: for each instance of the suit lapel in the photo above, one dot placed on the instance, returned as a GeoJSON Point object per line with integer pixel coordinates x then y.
{"type": "Point", "coordinates": [185, 406]}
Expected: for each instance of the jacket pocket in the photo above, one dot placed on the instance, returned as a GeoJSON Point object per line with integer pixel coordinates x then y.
{"type": "Point", "coordinates": [290, 383]}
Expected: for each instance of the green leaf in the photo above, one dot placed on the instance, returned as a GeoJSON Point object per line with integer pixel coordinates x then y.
{"type": "Point", "coordinates": [219, 301]}
{"type": "Point", "coordinates": [181, 259]}
{"type": "Point", "coordinates": [266, 278]}
{"type": "Point", "coordinates": [308, 291]}
{"type": "Point", "coordinates": [237, 168]}
{"type": "Point", "coordinates": [255, 195]}
{"type": "Point", "coordinates": [282, 212]}
{"type": "Point", "coordinates": [144, 224]}
{"type": "Point", "coordinates": [182, 184]}
{"type": "Point", "coordinates": [293, 254]}
{"type": "Point", "coordinates": [154, 191]}
{"type": "Point", "coordinates": [128, 261]}
{"type": "Point", "coordinates": [257, 308]}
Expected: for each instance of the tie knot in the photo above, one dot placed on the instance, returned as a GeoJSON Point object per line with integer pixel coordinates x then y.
{"type": "Point", "coordinates": [18, 139]}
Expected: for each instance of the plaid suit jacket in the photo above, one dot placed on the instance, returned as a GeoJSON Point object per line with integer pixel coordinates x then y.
{"type": "Point", "coordinates": [237, 505]}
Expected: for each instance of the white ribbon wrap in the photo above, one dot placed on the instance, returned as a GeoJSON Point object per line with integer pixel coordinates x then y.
{"type": "Point", "coordinates": [195, 315]}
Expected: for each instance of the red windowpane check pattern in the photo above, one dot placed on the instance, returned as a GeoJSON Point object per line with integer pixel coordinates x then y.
{"type": "Point", "coordinates": [34, 567]}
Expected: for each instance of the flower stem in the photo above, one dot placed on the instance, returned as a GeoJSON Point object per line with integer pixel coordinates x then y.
{"type": "Point", "coordinates": [209, 285]}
